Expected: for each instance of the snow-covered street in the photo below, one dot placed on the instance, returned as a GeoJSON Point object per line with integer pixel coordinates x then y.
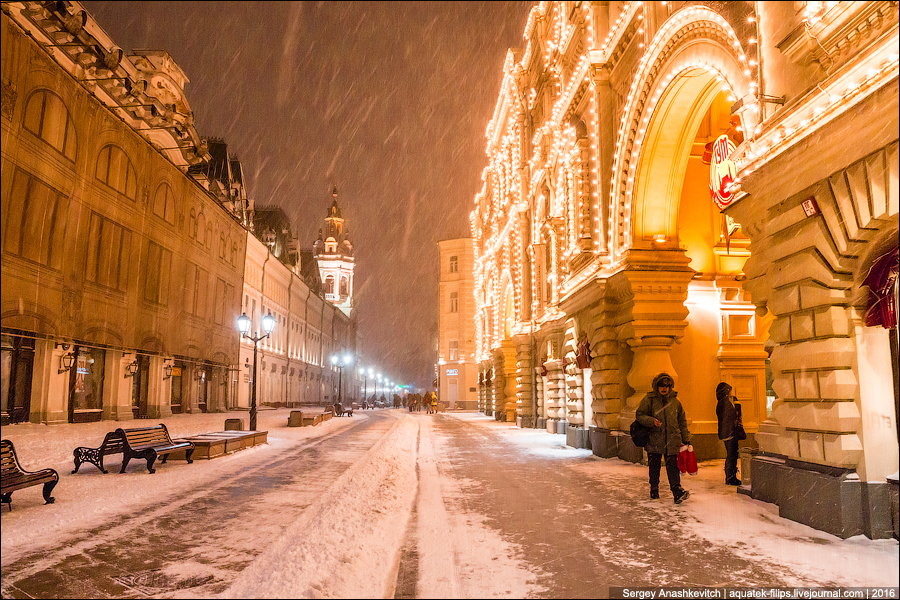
{"type": "Point", "coordinates": [396, 504]}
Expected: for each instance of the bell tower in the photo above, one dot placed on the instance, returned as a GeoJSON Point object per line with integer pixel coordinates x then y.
{"type": "Point", "coordinates": [334, 254]}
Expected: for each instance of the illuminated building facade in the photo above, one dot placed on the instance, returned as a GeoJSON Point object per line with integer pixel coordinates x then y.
{"type": "Point", "coordinates": [121, 272]}
{"type": "Point", "coordinates": [711, 190]}
{"type": "Point", "coordinates": [457, 368]}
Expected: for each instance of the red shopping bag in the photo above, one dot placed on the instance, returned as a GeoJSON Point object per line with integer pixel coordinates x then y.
{"type": "Point", "coordinates": [687, 460]}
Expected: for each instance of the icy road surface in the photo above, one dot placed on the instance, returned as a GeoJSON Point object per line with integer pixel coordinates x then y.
{"type": "Point", "coordinates": [399, 505]}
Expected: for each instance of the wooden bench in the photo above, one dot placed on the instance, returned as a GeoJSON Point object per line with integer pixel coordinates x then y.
{"type": "Point", "coordinates": [149, 443]}
{"type": "Point", "coordinates": [13, 477]}
{"type": "Point", "coordinates": [113, 443]}
{"type": "Point", "coordinates": [340, 411]}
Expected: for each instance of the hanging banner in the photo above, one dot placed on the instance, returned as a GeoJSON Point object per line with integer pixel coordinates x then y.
{"type": "Point", "coordinates": [722, 172]}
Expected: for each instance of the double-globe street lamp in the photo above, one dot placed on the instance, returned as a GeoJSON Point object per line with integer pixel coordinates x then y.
{"type": "Point", "coordinates": [340, 363]}
{"type": "Point", "coordinates": [268, 323]}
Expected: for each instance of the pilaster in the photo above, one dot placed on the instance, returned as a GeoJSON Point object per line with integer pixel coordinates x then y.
{"type": "Point", "coordinates": [525, 392]}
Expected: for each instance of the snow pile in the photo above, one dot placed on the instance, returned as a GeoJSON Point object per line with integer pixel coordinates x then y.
{"type": "Point", "coordinates": [459, 555]}
{"type": "Point", "coordinates": [360, 519]}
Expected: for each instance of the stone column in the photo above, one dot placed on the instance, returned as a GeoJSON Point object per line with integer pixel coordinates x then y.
{"type": "Point", "coordinates": [525, 416]}
{"type": "Point", "coordinates": [554, 394]}
{"type": "Point", "coordinates": [541, 415]}
{"type": "Point", "coordinates": [505, 382]}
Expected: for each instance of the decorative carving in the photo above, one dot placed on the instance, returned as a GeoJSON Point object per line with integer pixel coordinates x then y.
{"type": "Point", "coordinates": [8, 100]}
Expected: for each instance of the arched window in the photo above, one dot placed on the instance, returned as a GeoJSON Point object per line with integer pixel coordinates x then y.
{"type": "Point", "coordinates": [345, 286]}
{"type": "Point", "coordinates": [208, 239]}
{"type": "Point", "coordinates": [329, 285]}
{"type": "Point", "coordinates": [114, 168]}
{"type": "Point", "coordinates": [47, 117]}
{"type": "Point", "coordinates": [223, 245]}
{"type": "Point", "coordinates": [164, 203]}
{"type": "Point", "coordinates": [234, 251]}
{"type": "Point", "coordinates": [192, 224]}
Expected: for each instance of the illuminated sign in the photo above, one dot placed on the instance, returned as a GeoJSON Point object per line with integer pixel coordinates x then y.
{"type": "Point", "coordinates": [722, 172]}
{"type": "Point", "coordinates": [452, 371]}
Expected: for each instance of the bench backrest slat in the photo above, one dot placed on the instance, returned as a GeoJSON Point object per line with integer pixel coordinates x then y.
{"type": "Point", "coordinates": [10, 465]}
{"type": "Point", "coordinates": [147, 436]}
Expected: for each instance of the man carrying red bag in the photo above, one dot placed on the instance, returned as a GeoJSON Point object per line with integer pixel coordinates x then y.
{"type": "Point", "coordinates": [661, 411]}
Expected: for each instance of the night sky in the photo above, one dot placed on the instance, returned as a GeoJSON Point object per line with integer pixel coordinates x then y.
{"type": "Point", "coordinates": [387, 101]}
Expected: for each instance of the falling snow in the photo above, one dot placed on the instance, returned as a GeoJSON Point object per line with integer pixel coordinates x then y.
{"type": "Point", "coordinates": [387, 101]}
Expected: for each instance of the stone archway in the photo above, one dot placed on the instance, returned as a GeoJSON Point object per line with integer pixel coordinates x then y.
{"type": "Point", "coordinates": [682, 273]}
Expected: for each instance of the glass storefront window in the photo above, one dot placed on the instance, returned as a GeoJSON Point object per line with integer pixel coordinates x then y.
{"type": "Point", "coordinates": [177, 371]}
{"type": "Point", "coordinates": [86, 391]}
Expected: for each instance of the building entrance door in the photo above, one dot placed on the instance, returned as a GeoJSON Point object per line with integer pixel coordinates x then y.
{"type": "Point", "coordinates": [452, 392]}
{"type": "Point", "coordinates": [17, 367]}
{"type": "Point", "coordinates": [141, 380]}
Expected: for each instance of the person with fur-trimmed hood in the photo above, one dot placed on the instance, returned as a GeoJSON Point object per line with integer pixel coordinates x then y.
{"type": "Point", "coordinates": [726, 412]}
{"type": "Point", "coordinates": [661, 411]}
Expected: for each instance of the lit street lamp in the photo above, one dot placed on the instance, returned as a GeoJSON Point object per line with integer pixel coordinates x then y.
{"type": "Point", "coordinates": [340, 363]}
{"type": "Point", "coordinates": [268, 323]}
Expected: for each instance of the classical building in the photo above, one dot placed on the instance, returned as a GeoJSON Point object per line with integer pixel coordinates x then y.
{"type": "Point", "coordinates": [457, 368]}
{"type": "Point", "coordinates": [121, 273]}
{"type": "Point", "coordinates": [707, 189]}
{"type": "Point", "coordinates": [334, 254]}
{"type": "Point", "coordinates": [294, 366]}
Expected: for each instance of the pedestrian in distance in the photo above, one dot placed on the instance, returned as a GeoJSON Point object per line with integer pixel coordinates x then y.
{"type": "Point", "coordinates": [661, 411]}
{"type": "Point", "coordinates": [726, 413]}
{"type": "Point", "coordinates": [433, 403]}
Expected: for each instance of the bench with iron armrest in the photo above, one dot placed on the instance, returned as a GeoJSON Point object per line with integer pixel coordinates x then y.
{"type": "Point", "coordinates": [13, 477]}
{"type": "Point", "coordinates": [149, 443]}
{"type": "Point", "coordinates": [113, 443]}
{"type": "Point", "coordinates": [340, 411]}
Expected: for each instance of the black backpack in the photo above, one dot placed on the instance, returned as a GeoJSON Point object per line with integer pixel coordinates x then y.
{"type": "Point", "coordinates": [640, 434]}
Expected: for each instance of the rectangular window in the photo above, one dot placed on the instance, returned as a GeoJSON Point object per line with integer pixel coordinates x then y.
{"type": "Point", "coordinates": [454, 264]}
{"type": "Point", "coordinates": [454, 302]}
{"type": "Point", "coordinates": [454, 350]}
{"type": "Point", "coordinates": [195, 290]}
{"type": "Point", "coordinates": [221, 300]}
{"type": "Point", "coordinates": [109, 246]}
{"type": "Point", "coordinates": [35, 221]}
{"type": "Point", "coordinates": [156, 277]}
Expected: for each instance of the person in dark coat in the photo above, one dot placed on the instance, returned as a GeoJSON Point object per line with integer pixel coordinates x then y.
{"type": "Point", "coordinates": [727, 416]}
{"type": "Point", "coordinates": [661, 411]}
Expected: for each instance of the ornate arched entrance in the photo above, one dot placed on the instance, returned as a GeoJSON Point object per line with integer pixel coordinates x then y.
{"type": "Point", "coordinates": [687, 312]}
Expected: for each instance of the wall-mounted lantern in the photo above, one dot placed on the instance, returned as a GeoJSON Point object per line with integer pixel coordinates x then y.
{"type": "Point", "coordinates": [131, 369]}
{"type": "Point", "coordinates": [66, 362]}
{"type": "Point", "coordinates": [167, 371]}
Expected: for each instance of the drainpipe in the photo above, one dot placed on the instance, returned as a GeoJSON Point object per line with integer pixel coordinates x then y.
{"type": "Point", "coordinates": [534, 416]}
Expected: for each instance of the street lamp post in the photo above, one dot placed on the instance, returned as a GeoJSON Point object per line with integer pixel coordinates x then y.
{"type": "Point", "coordinates": [340, 363]}
{"type": "Point", "coordinates": [268, 323]}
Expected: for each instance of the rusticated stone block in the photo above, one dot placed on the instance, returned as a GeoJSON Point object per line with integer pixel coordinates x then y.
{"type": "Point", "coordinates": [833, 320]}
{"type": "Point", "coordinates": [840, 384]}
{"type": "Point", "coordinates": [783, 385]}
{"type": "Point", "coordinates": [814, 295]}
{"type": "Point", "coordinates": [806, 385]}
{"type": "Point", "coordinates": [785, 300]}
{"type": "Point", "coordinates": [802, 326]}
{"type": "Point", "coordinates": [822, 416]}
{"type": "Point", "coordinates": [814, 354]}
{"type": "Point", "coordinates": [843, 450]}
{"type": "Point", "coordinates": [606, 405]}
{"type": "Point", "coordinates": [811, 446]}
{"type": "Point", "coordinates": [780, 331]}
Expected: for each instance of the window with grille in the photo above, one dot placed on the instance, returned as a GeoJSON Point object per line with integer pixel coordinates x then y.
{"type": "Point", "coordinates": [454, 302]}
{"type": "Point", "coordinates": [454, 350]}
{"type": "Point", "coordinates": [454, 264]}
